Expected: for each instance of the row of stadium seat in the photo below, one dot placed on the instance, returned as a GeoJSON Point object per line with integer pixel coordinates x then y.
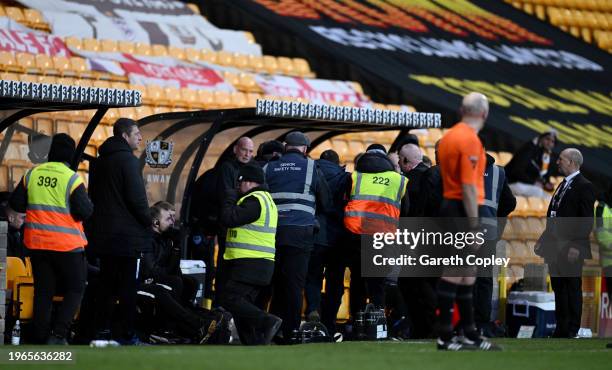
{"type": "Point", "coordinates": [264, 64]}
{"type": "Point", "coordinates": [589, 20]}
{"type": "Point", "coordinates": [28, 17]}
{"type": "Point", "coordinates": [595, 5]}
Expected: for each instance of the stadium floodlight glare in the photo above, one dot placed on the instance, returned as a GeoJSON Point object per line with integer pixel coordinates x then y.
{"type": "Point", "coordinates": [70, 94]}
{"type": "Point", "coordinates": [325, 112]}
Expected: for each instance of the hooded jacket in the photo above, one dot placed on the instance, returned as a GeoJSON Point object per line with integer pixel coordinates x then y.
{"type": "Point", "coordinates": [121, 223]}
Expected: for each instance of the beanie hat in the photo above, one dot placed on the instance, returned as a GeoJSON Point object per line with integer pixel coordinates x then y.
{"type": "Point", "coordinates": [269, 147]}
{"type": "Point", "coordinates": [62, 148]}
{"type": "Point", "coordinates": [297, 138]}
{"type": "Point", "coordinates": [251, 172]}
{"type": "Point", "coordinates": [376, 148]}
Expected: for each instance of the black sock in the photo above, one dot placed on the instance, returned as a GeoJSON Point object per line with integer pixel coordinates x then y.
{"type": "Point", "coordinates": [466, 310]}
{"type": "Point", "coordinates": [446, 300]}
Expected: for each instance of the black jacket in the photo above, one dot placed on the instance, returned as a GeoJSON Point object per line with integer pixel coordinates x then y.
{"type": "Point", "coordinates": [163, 260]}
{"type": "Point", "coordinates": [14, 241]}
{"type": "Point", "coordinates": [303, 236]}
{"type": "Point", "coordinates": [375, 163]}
{"type": "Point", "coordinates": [432, 191]}
{"type": "Point", "coordinates": [255, 271]}
{"type": "Point", "coordinates": [121, 223]}
{"type": "Point", "coordinates": [577, 204]}
{"type": "Point", "coordinates": [416, 192]}
{"type": "Point", "coordinates": [331, 224]}
{"type": "Point", "coordinates": [526, 163]}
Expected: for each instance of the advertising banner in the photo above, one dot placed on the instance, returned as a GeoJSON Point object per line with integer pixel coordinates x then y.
{"type": "Point", "coordinates": [150, 22]}
{"type": "Point", "coordinates": [433, 52]}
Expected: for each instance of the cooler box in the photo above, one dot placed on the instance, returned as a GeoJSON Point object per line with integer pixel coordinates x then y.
{"type": "Point", "coordinates": [531, 309]}
{"type": "Point", "coordinates": [197, 269]}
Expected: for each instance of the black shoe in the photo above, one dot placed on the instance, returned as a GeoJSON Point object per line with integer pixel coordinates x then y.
{"type": "Point", "coordinates": [271, 325]}
{"type": "Point", "coordinates": [54, 340]}
{"type": "Point", "coordinates": [609, 345]}
{"type": "Point", "coordinates": [454, 344]}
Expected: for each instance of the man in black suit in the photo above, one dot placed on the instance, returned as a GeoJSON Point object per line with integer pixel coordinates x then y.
{"type": "Point", "coordinates": [565, 245]}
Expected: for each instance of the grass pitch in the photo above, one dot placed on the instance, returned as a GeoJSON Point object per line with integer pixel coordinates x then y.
{"type": "Point", "coordinates": [519, 354]}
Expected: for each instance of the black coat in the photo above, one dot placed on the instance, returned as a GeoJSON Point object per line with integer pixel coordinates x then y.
{"type": "Point", "coordinates": [431, 183]}
{"type": "Point", "coordinates": [416, 191]}
{"type": "Point", "coordinates": [121, 223]}
{"type": "Point", "coordinates": [331, 224]}
{"type": "Point", "coordinates": [577, 204]}
{"type": "Point", "coordinates": [525, 165]}
{"type": "Point", "coordinates": [163, 260]}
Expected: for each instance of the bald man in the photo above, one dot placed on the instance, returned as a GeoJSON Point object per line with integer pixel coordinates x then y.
{"type": "Point", "coordinates": [462, 165]}
{"type": "Point", "coordinates": [411, 163]}
{"type": "Point", "coordinates": [565, 245]}
{"type": "Point", "coordinates": [227, 180]}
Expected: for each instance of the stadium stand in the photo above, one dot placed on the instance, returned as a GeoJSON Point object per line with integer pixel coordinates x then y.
{"type": "Point", "coordinates": [589, 20]}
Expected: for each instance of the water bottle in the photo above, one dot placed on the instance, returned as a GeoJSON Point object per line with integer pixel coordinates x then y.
{"type": "Point", "coordinates": [16, 335]}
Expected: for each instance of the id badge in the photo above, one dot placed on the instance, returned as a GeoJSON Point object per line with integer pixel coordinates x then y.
{"type": "Point", "coordinates": [553, 213]}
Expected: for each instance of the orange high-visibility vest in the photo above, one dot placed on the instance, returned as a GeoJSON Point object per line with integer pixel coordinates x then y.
{"type": "Point", "coordinates": [375, 202]}
{"type": "Point", "coordinates": [49, 224]}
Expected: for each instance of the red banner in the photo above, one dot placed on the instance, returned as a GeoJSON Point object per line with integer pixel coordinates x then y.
{"type": "Point", "coordinates": [33, 43]}
{"type": "Point", "coordinates": [141, 72]}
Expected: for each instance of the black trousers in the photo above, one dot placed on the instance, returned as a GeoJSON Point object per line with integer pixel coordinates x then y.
{"type": "Point", "coordinates": [239, 299]}
{"type": "Point", "coordinates": [568, 305]}
{"type": "Point", "coordinates": [53, 272]}
{"type": "Point", "coordinates": [290, 270]}
{"type": "Point", "coordinates": [420, 299]}
{"type": "Point", "coordinates": [336, 263]}
{"type": "Point", "coordinates": [117, 279]}
{"type": "Point", "coordinates": [483, 297]}
{"type": "Point", "coordinates": [187, 322]}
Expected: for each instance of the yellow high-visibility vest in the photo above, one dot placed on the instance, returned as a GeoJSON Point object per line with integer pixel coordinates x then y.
{"type": "Point", "coordinates": [257, 239]}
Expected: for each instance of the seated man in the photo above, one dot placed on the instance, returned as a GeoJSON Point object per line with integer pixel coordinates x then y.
{"type": "Point", "coordinates": [161, 278]}
{"type": "Point", "coordinates": [14, 237]}
{"type": "Point", "coordinates": [532, 165]}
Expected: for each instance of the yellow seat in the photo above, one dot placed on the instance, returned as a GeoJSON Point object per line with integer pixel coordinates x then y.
{"type": "Point", "coordinates": [8, 76]}
{"type": "Point", "coordinates": [206, 99]}
{"type": "Point", "coordinates": [74, 42]}
{"type": "Point", "coordinates": [522, 207]}
{"type": "Point", "coordinates": [45, 64]}
{"type": "Point", "coordinates": [173, 96]}
{"type": "Point", "coordinates": [62, 66]}
{"type": "Point", "coordinates": [21, 283]}
{"type": "Point", "coordinates": [143, 49]}
{"type": "Point", "coordinates": [537, 206]}
{"type": "Point", "coordinates": [256, 63]}
{"type": "Point", "coordinates": [14, 13]}
{"type": "Point", "coordinates": [35, 19]}
{"type": "Point", "coordinates": [190, 54]}
{"type": "Point", "coordinates": [535, 227]}
{"type": "Point", "coordinates": [341, 147]}
{"type": "Point", "coordinates": [239, 100]}
{"type": "Point", "coordinates": [225, 58]}
{"type": "Point", "coordinates": [252, 99]}
{"type": "Point", "coordinates": [285, 66]}
{"type": "Point", "coordinates": [127, 47]}
{"type": "Point", "coordinates": [302, 68]}
{"type": "Point", "coordinates": [189, 97]}
{"type": "Point", "coordinates": [8, 62]}
{"type": "Point", "coordinates": [154, 95]}
{"type": "Point", "coordinates": [208, 56]}
{"type": "Point", "coordinates": [249, 36]}
{"type": "Point", "coordinates": [159, 50]}
{"type": "Point", "coordinates": [247, 82]}
{"type": "Point", "coordinates": [28, 78]}
{"type": "Point", "coordinates": [47, 79]}
{"type": "Point", "coordinates": [79, 66]}
{"type": "Point", "coordinates": [223, 99]}
{"type": "Point", "coordinates": [241, 61]}
{"type": "Point", "coordinates": [495, 156]}
{"type": "Point", "coordinates": [143, 111]}
{"type": "Point", "coordinates": [231, 78]}
{"type": "Point", "coordinates": [109, 46]}
{"type": "Point", "coordinates": [26, 62]}
{"type": "Point", "coordinates": [90, 44]}
{"type": "Point", "coordinates": [270, 64]}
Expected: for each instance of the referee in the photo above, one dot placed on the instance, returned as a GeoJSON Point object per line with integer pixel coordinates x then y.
{"type": "Point", "coordinates": [462, 165]}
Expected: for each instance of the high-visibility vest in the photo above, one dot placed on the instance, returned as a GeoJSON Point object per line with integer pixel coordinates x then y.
{"type": "Point", "coordinates": [375, 202]}
{"type": "Point", "coordinates": [257, 239]}
{"type": "Point", "coordinates": [603, 233]}
{"type": "Point", "coordinates": [49, 225]}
